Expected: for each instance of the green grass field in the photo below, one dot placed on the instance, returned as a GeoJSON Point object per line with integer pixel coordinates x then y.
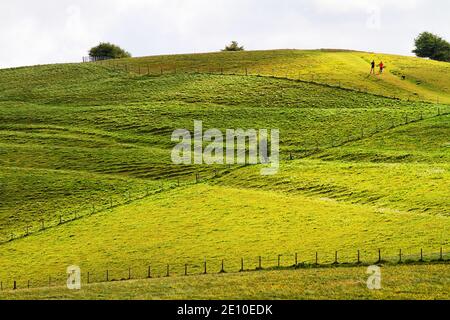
{"type": "Point", "coordinates": [173, 228]}
{"type": "Point", "coordinates": [85, 152]}
{"type": "Point", "coordinates": [412, 282]}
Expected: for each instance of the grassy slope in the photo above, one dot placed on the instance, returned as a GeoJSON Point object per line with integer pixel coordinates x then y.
{"type": "Point", "coordinates": [349, 68]}
{"type": "Point", "coordinates": [27, 193]}
{"type": "Point", "coordinates": [192, 223]}
{"type": "Point", "coordinates": [68, 126]}
{"type": "Point", "coordinates": [91, 120]}
{"type": "Point", "coordinates": [426, 142]}
{"type": "Point", "coordinates": [422, 282]}
{"type": "Point", "coordinates": [409, 187]}
{"type": "Point", "coordinates": [406, 168]}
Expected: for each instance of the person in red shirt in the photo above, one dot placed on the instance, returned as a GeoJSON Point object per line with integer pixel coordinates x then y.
{"type": "Point", "coordinates": [381, 65]}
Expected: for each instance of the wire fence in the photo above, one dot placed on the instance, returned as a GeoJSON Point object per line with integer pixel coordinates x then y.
{"type": "Point", "coordinates": [287, 261]}
{"type": "Point", "coordinates": [96, 58]}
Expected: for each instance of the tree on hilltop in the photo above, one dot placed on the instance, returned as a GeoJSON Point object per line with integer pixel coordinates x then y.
{"type": "Point", "coordinates": [108, 50]}
{"type": "Point", "coordinates": [431, 46]}
{"type": "Point", "coordinates": [234, 46]}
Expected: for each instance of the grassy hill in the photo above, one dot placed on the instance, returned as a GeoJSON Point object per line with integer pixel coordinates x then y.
{"type": "Point", "coordinates": [424, 79]}
{"type": "Point", "coordinates": [85, 150]}
{"type": "Point", "coordinates": [89, 119]}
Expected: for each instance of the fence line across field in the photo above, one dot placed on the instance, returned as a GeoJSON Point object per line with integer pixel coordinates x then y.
{"type": "Point", "coordinates": [243, 264]}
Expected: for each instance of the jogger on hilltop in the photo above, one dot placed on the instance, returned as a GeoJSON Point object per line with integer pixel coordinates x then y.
{"type": "Point", "coordinates": [381, 65]}
{"type": "Point", "coordinates": [372, 69]}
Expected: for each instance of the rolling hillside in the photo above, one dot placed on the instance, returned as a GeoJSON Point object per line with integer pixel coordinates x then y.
{"type": "Point", "coordinates": [424, 79]}
{"type": "Point", "coordinates": [86, 169]}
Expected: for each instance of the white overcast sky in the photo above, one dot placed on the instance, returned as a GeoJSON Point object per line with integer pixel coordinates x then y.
{"type": "Point", "coordinates": [50, 31]}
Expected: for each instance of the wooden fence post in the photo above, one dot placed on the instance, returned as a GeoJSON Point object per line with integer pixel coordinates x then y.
{"type": "Point", "coordinates": [400, 256]}
{"type": "Point", "coordinates": [222, 270]}
{"type": "Point", "coordinates": [317, 258]}
{"type": "Point", "coordinates": [185, 269]}
{"type": "Point", "coordinates": [15, 285]}
{"type": "Point", "coordinates": [359, 258]}
{"type": "Point", "coordinates": [205, 270]}
{"type": "Point", "coordinates": [296, 259]}
{"type": "Point", "coordinates": [107, 275]}
{"type": "Point", "coordinates": [336, 258]}
{"type": "Point", "coordinates": [129, 273]}
{"type": "Point", "coordinates": [279, 260]}
{"type": "Point", "coordinates": [168, 271]}
{"type": "Point", "coordinates": [149, 272]}
{"type": "Point", "coordinates": [259, 263]}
